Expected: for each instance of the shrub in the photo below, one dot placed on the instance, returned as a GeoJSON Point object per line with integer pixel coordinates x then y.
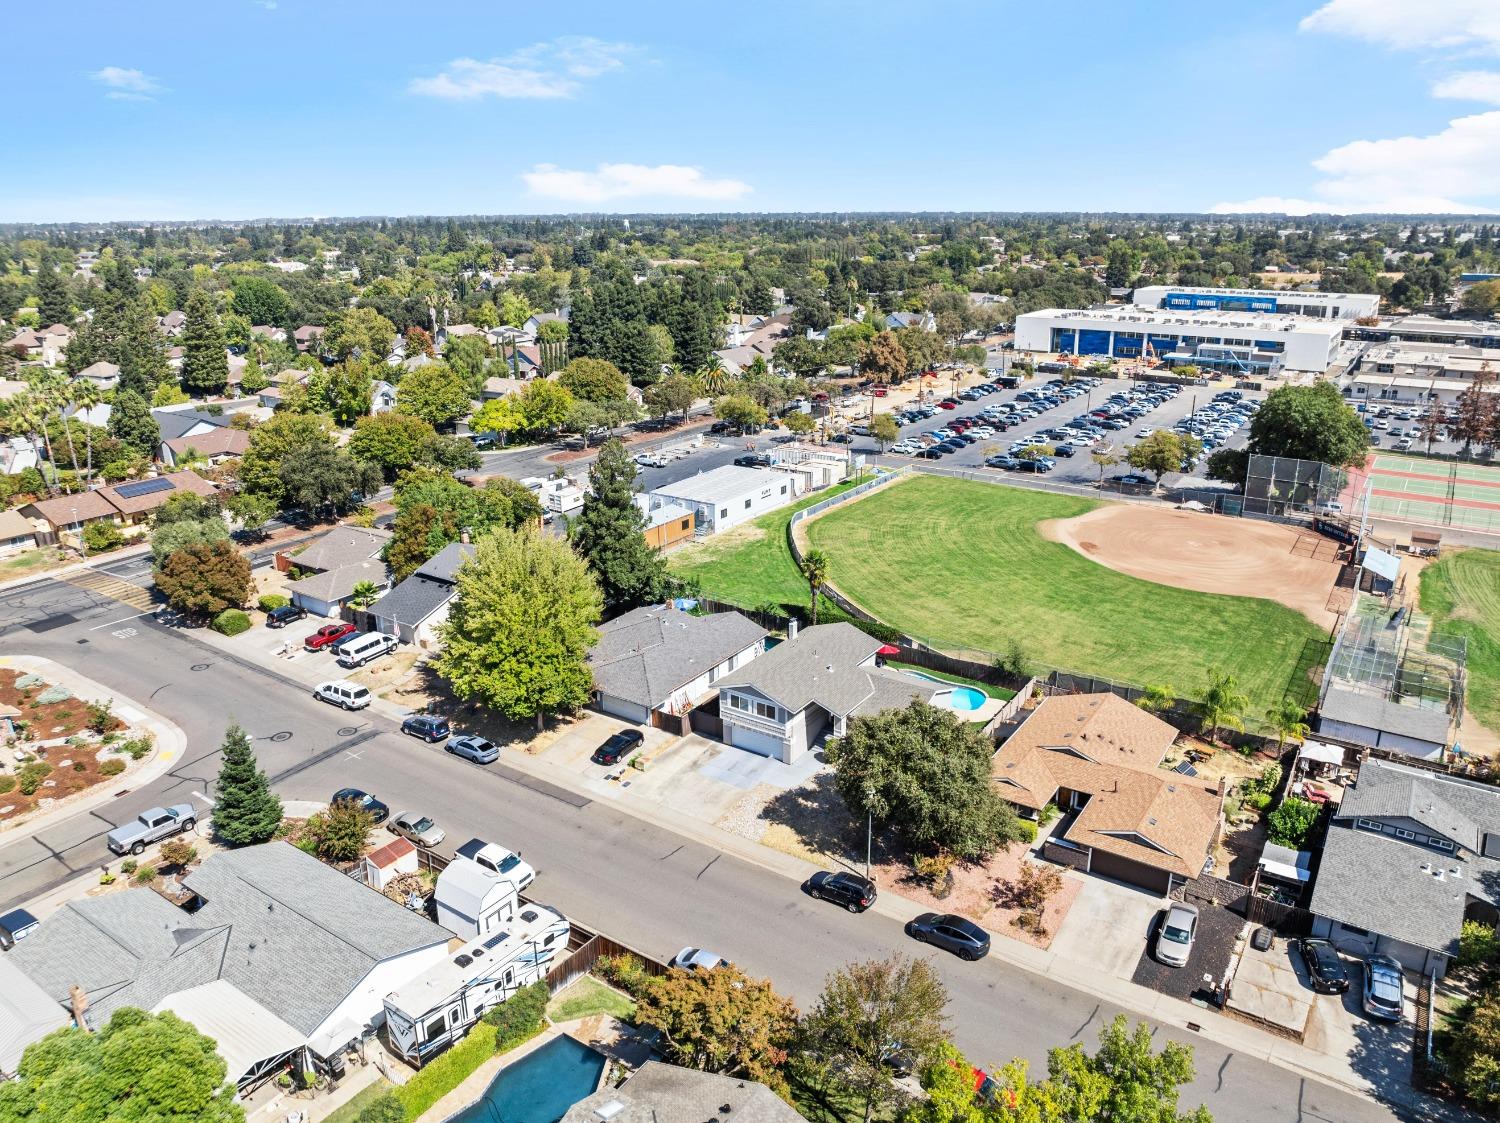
{"type": "Point", "coordinates": [272, 601]}
{"type": "Point", "coordinates": [145, 874]}
{"type": "Point", "coordinates": [446, 1073]}
{"type": "Point", "coordinates": [519, 1016]}
{"type": "Point", "coordinates": [101, 716]}
{"type": "Point", "coordinates": [112, 768]}
{"type": "Point", "coordinates": [7, 784]}
{"type": "Point", "coordinates": [1292, 822]}
{"type": "Point", "coordinates": [624, 971]}
{"type": "Point", "coordinates": [1048, 813]}
{"type": "Point", "coordinates": [231, 622]}
{"type": "Point", "coordinates": [933, 868]}
{"type": "Point", "coordinates": [31, 776]}
{"type": "Point", "coordinates": [339, 834]}
{"type": "Point", "coordinates": [1257, 801]}
{"type": "Point", "coordinates": [52, 695]}
{"type": "Point", "coordinates": [138, 747]}
{"type": "Point", "coordinates": [79, 766]}
{"type": "Point", "coordinates": [101, 536]}
{"type": "Point", "coordinates": [384, 1108]}
{"type": "Point", "coordinates": [1028, 831]}
{"type": "Point", "coordinates": [129, 865]}
{"type": "Point", "coordinates": [106, 878]}
{"type": "Point", "coordinates": [178, 853]}
{"type": "Point", "coordinates": [1477, 944]}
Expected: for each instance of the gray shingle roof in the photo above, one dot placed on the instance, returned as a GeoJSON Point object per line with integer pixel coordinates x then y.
{"type": "Point", "coordinates": [285, 929]}
{"type": "Point", "coordinates": [343, 545]}
{"type": "Point", "coordinates": [443, 565]}
{"type": "Point", "coordinates": [647, 655]}
{"type": "Point", "coordinates": [1390, 717]}
{"type": "Point", "coordinates": [414, 600]}
{"type": "Point", "coordinates": [822, 665]}
{"type": "Point", "coordinates": [338, 584]}
{"type": "Point", "coordinates": [175, 423]}
{"type": "Point", "coordinates": [663, 1093]}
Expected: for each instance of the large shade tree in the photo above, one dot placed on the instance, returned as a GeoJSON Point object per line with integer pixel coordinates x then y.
{"type": "Point", "coordinates": [1309, 423]}
{"type": "Point", "coordinates": [608, 532]}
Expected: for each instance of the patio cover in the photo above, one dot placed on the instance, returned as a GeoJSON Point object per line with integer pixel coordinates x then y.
{"type": "Point", "coordinates": [1382, 564]}
{"type": "Point", "coordinates": [244, 1031]}
{"type": "Point", "coordinates": [330, 1039]}
{"type": "Point", "coordinates": [1285, 863]}
{"type": "Point", "coordinates": [1319, 753]}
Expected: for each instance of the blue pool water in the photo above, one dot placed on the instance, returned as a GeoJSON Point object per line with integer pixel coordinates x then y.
{"type": "Point", "coordinates": [538, 1088]}
{"type": "Point", "coordinates": [962, 698]}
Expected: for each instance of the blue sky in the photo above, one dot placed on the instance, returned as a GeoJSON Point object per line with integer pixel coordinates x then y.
{"type": "Point", "coordinates": [261, 108]}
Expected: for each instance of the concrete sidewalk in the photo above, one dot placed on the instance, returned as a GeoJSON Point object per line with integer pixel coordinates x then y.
{"type": "Point", "coordinates": [169, 744]}
{"type": "Point", "coordinates": [76, 567]}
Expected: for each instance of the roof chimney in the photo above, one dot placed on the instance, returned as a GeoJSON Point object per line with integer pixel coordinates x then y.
{"type": "Point", "coordinates": [791, 628]}
{"type": "Point", "coordinates": [79, 1000]}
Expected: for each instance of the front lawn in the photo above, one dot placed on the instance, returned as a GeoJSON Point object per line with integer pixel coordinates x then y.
{"type": "Point", "coordinates": [961, 565]}
{"type": "Point", "coordinates": [587, 997]}
{"type": "Point", "coordinates": [1462, 595]}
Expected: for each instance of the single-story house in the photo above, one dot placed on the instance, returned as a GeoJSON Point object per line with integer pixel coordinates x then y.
{"type": "Point", "coordinates": [104, 375]}
{"type": "Point", "coordinates": [27, 1014]}
{"type": "Point", "coordinates": [661, 1093]}
{"type": "Point", "coordinates": [1097, 758]}
{"type": "Point", "coordinates": [496, 387]}
{"type": "Point", "coordinates": [413, 609]}
{"type": "Point", "coordinates": [186, 421]}
{"type": "Point", "coordinates": [71, 513]}
{"type": "Point", "coordinates": [382, 397]}
{"type": "Point", "coordinates": [667, 526]}
{"type": "Point", "coordinates": [173, 322]}
{"type": "Point", "coordinates": [137, 499]}
{"type": "Point", "coordinates": [663, 660]}
{"type": "Point", "coordinates": [216, 446]}
{"type": "Point", "coordinates": [727, 496]}
{"type": "Point", "coordinates": [1367, 719]}
{"type": "Point", "coordinates": [926, 321]}
{"type": "Point", "coordinates": [534, 323]}
{"type": "Point", "coordinates": [17, 454]}
{"type": "Point", "coordinates": [307, 336]}
{"type": "Point", "coordinates": [282, 960]}
{"type": "Point", "coordinates": [17, 533]}
{"type": "Point", "coordinates": [335, 564]}
{"type": "Point", "coordinates": [268, 331]}
{"type": "Point", "coordinates": [811, 684]}
{"type": "Point", "coordinates": [1410, 855]}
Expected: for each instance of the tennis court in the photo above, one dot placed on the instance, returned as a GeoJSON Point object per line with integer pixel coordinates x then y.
{"type": "Point", "coordinates": [1412, 489]}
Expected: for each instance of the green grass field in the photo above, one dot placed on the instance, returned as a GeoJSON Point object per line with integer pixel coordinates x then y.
{"type": "Point", "coordinates": [751, 565]}
{"type": "Point", "coordinates": [961, 564]}
{"type": "Point", "coordinates": [1462, 595]}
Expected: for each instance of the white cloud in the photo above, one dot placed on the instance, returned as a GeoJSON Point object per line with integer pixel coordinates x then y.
{"type": "Point", "coordinates": [555, 69]}
{"type": "Point", "coordinates": [124, 84]}
{"type": "Point", "coordinates": [1470, 25]}
{"type": "Point", "coordinates": [1470, 85]}
{"type": "Point", "coordinates": [630, 181]}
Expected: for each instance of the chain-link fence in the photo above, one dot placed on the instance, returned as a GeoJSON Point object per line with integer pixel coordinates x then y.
{"type": "Point", "coordinates": [1280, 487]}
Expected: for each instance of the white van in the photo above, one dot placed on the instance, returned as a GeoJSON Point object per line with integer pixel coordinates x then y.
{"type": "Point", "coordinates": [371, 645]}
{"type": "Point", "coordinates": [343, 693]}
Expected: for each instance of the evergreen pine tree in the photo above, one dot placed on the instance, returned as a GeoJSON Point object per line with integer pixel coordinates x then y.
{"type": "Point", "coordinates": [52, 304]}
{"type": "Point", "coordinates": [205, 363]}
{"type": "Point", "coordinates": [607, 534]}
{"type": "Point", "coordinates": [246, 811]}
{"type": "Point", "coordinates": [131, 423]}
{"type": "Point", "coordinates": [140, 350]}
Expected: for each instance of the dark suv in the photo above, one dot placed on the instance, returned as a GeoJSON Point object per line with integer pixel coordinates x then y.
{"type": "Point", "coordinates": [429, 727]}
{"type": "Point", "coordinates": [963, 938]}
{"type": "Point", "coordinates": [286, 614]}
{"type": "Point", "coordinates": [753, 460]}
{"type": "Point", "coordinates": [853, 892]}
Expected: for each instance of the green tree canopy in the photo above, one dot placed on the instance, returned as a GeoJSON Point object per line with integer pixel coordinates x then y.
{"type": "Point", "coordinates": [926, 773]}
{"type": "Point", "coordinates": [185, 520]}
{"type": "Point", "coordinates": [139, 1067]}
{"type": "Point", "coordinates": [131, 423]}
{"type": "Point", "coordinates": [205, 362]}
{"type": "Point", "coordinates": [393, 442]}
{"type": "Point", "coordinates": [520, 628]}
{"type": "Point", "coordinates": [261, 301]}
{"type": "Point", "coordinates": [271, 443]}
{"type": "Point", "coordinates": [205, 578]}
{"type": "Point", "coordinates": [1310, 423]}
{"type": "Point", "coordinates": [593, 380]}
{"type": "Point", "coordinates": [246, 811]}
{"type": "Point", "coordinates": [608, 533]}
{"type": "Point", "coordinates": [318, 478]}
{"type": "Point", "coordinates": [359, 332]}
{"type": "Point", "coordinates": [436, 393]}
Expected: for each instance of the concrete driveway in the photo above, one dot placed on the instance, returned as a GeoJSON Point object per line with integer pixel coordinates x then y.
{"type": "Point", "coordinates": [1208, 962]}
{"type": "Point", "coordinates": [1108, 926]}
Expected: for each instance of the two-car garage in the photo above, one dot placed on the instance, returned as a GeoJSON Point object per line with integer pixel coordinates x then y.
{"type": "Point", "coordinates": [753, 740]}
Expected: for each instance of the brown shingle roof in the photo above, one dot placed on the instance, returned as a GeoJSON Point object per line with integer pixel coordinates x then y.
{"type": "Point", "coordinates": [182, 482]}
{"type": "Point", "coordinates": [223, 441]}
{"type": "Point", "coordinates": [65, 510]}
{"type": "Point", "coordinates": [1103, 746]}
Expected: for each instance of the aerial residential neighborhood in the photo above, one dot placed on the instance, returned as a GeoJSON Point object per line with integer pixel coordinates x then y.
{"type": "Point", "coordinates": [518, 605]}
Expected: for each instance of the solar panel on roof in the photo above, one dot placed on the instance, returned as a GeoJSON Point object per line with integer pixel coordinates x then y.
{"type": "Point", "coordinates": [144, 487]}
{"type": "Point", "coordinates": [1186, 768]}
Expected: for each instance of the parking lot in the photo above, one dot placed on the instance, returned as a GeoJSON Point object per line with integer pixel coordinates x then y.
{"type": "Point", "coordinates": [1213, 945]}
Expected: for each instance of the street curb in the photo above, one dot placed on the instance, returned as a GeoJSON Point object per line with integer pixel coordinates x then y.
{"type": "Point", "coordinates": [75, 567]}
{"type": "Point", "coordinates": [170, 744]}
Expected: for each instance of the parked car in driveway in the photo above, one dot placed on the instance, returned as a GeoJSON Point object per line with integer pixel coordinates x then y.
{"type": "Point", "coordinates": [1174, 940]}
{"type": "Point", "coordinates": [1325, 968]}
{"type": "Point", "coordinates": [378, 810]}
{"type": "Point", "coordinates": [962, 937]}
{"type": "Point", "coordinates": [622, 743]}
{"type": "Point", "coordinates": [286, 614]}
{"type": "Point", "coordinates": [471, 746]}
{"type": "Point", "coordinates": [418, 828]}
{"type": "Point", "coordinates": [428, 727]}
{"type": "Point", "coordinates": [371, 645]}
{"type": "Point", "coordinates": [698, 959]}
{"type": "Point", "coordinates": [151, 826]}
{"type": "Point", "coordinates": [855, 893]}
{"type": "Point", "coordinates": [1382, 992]}
{"type": "Point", "coordinates": [342, 693]}
{"type": "Point", "coordinates": [328, 634]}
{"type": "Point", "coordinates": [493, 856]}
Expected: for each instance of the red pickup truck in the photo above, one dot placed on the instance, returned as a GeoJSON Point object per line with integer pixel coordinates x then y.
{"type": "Point", "coordinates": [327, 634]}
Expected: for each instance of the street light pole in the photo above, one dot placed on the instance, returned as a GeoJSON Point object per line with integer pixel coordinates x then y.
{"type": "Point", "coordinates": [869, 829]}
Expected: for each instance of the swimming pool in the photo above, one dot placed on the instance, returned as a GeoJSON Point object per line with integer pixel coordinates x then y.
{"type": "Point", "coordinates": [540, 1087]}
{"type": "Point", "coordinates": [964, 698]}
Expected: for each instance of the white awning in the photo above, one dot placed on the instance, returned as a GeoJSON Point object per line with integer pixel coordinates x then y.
{"type": "Point", "coordinates": [330, 1039]}
{"type": "Point", "coordinates": [244, 1032]}
{"type": "Point", "coordinates": [1382, 564]}
{"type": "Point", "coordinates": [1285, 863]}
{"type": "Point", "coordinates": [1319, 753]}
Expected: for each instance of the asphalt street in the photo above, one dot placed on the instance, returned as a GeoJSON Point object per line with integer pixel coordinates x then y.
{"type": "Point", "coordinates": [638, 882]}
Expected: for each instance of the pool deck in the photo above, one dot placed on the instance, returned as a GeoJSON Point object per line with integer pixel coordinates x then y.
{"type": "Point", "coordinates": [983, 713]}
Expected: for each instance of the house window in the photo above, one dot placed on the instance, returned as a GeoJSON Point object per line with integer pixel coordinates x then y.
{"type": "Point", "coordinates": [1353, 931]}
{"type": "Point", "coordinates": [686, 523]}
{"type": "Point", "coordinates": [1441, 844]}
{"type": "Point", "coordinates": [723, 512]}
{"type": "Point", "coordinates": [783, 489]}
{"type": "Point", "coordinates": [1402, 833]}
{"type": "Point", "coordinates": [765, 710]}
{"type": "Point", "coordinates": [737, 703]}
{"type": "Point", "coordinates": [436, 1028]}
{"type": "Point", "coordinates": [1368, 824]}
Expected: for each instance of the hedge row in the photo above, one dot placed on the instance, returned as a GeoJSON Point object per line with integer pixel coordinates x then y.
{"type": "Point", "coordinates": [437, 1079]}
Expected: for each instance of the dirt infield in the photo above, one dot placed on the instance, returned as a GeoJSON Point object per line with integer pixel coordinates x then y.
{"type": "Point", "coordinates": [1208, 553]}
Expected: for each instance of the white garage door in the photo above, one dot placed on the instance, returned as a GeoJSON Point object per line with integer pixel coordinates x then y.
{"type": "Point", "coordinates": [619, 707]}
{"type": "Point", "coordinates": [755, 741]}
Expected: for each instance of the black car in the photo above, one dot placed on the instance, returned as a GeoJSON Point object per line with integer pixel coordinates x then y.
{"type": "Point", "coordinates": [1064, 450]}
{"type": "Point", "coordinates": [378, 810]}
{"type": "Point", "coordinates": [625, 741]}
{"type": "Point", "coordinates": [963, 938]}
{"type": "Point", "coordinates": [1325, 970]}
{"type": "Point", "coordinates": [429, 727]}
{"type": "Point", "coordinates": [753, 460]}
{"type": "Point", "coordinates": [1029, 465]}
{"type": "Point", "coordinates": [855, 893]}
{"type": "Point", "coordinates": [286, 614]}
{"type": "Point", "coordinates": [937, 452]}
{"type": "Point", "coordinates": [18, 924]}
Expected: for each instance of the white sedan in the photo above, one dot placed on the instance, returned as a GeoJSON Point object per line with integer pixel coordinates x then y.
{"type": "Point", "coordinates": [698, 959]}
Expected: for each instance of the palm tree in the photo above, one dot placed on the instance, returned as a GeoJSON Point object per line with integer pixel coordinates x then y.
{"type": "Point", "coordinates": [86, 396]}
{"type": "Point", "coordinates": [1156, 697]}
{"type": "Point", "coordinates": [56, 396]}
{"type": "Point", "coordinates": [1224, 704]}
{"type": "Point", "coordinates": [364, 594]}
{"type": "Point", "coordinates": [30, 412]}
{"type": "Point", "coordinates": [814, 567]}
{"type": "Point", "coordinates": [713, 377]}
{"type": "Point", "coordinates": [1289, 718]}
